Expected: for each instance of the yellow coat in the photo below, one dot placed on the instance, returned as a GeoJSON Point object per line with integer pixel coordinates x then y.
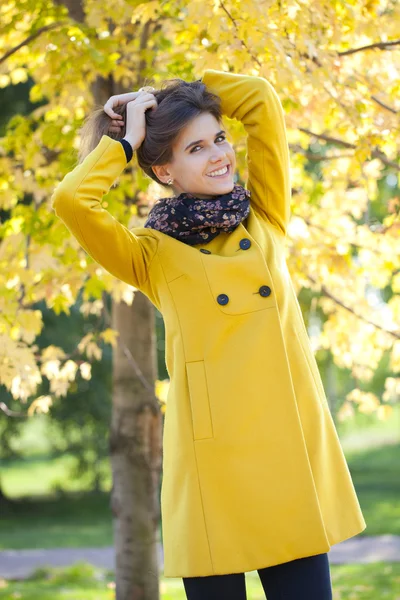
{"type": "Point", "coordinates": [253, 471]}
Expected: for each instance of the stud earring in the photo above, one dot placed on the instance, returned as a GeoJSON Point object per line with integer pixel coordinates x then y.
{"type": "Point", "coordinates": [170, 181]}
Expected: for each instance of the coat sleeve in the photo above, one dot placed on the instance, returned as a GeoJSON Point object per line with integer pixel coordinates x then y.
{"type": "Point", "coordinates": [253, 101]}
{"type": "Point", "coordinates": [77, 202]}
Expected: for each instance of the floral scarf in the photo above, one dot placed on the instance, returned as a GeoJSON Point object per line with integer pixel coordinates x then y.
{"type": "Point", "coordinates": [194, 220]}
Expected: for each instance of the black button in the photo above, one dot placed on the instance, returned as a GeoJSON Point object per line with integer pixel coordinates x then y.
{"type": "Point", "coordinates": [222, 299]}
{"type": "Point", "coordinates": [204, 251]}
{"type": "Point", "coordinates": [265, 290]}
{"type": "Point", "coordinates": [245, 244]}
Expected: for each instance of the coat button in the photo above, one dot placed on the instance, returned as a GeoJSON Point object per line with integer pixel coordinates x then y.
{"type": "Point", "coordinates": [204, 251]}
{"type": "Point", "coordinates": [245, 244]}
{"type": "Point", "coordinates": [222, 299]}
{"type": "Point", "coordinates": [264, 291]}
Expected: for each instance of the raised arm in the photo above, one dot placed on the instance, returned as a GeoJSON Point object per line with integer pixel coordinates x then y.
{"type": "Point", "coordinates": [254, 102]}
{"type": "Point", "coordinates": [124, 253]}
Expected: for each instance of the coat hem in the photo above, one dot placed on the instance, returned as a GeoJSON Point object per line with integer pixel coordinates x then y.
{"type": "Point", "coordinates": [322, 550]}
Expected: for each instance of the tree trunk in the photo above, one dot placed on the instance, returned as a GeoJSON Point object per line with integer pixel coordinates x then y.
{"type": "Point", "coordinates": [135, 445]}
{"type": "Point", "coordinates": [136, 425]}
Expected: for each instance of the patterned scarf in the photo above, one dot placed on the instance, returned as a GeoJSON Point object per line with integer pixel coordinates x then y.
{"type": "Point", "coordinates": [194, 220]}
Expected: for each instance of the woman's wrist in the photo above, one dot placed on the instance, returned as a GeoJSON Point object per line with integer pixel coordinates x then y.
{"type": "Point", "coordinates": [128, 148]}
{"type": "Point", "coordinates": [130, 140]}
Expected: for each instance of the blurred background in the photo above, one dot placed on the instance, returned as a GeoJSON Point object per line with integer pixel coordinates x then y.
{"type": "Point", "coordinates": [336, 69]}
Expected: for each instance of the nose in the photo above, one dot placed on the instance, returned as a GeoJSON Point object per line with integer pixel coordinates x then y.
{"type": "Point", "coordinates": [218, 155]}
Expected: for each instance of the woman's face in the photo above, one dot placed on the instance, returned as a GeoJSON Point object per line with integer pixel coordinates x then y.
{"type": "Point", "coordinates": [200, 149]}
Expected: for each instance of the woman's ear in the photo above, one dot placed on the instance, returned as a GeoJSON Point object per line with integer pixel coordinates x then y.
{"type": "Point", "coordinates": [162, 172]}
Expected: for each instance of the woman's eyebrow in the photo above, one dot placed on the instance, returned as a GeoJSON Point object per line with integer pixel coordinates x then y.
{"type": "Point", "coordinates": [199, 141]}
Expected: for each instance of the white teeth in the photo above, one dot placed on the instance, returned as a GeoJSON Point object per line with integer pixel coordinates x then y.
{"type": "Point", "coordinates": [220, 172]}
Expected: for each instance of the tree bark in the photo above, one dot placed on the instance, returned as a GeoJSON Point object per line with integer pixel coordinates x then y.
{"type": "Point", "coordinates": [135, 445]}
{"type": "Point", "coordinates": [136, 424]}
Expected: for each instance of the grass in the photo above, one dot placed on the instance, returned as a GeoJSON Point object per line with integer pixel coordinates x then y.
{"type": "Point", "coordinates": [38, 475]}
{"type": "Point", "coordinates": [74, 520]}
{"type": "Point", "coordinates": [40, 515]}
{"type": "Point", "coordinates": [376, 477]}
{"type": "Point", "coordinates": [83, 582]}
{"type": "Point", "coordinates": [78, 519]}
{"type": "Point", "coordinates": [366, 431]}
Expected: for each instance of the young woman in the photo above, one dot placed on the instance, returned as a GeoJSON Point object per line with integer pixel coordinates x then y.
{"type": "Point", "coordinates": [254, 476]}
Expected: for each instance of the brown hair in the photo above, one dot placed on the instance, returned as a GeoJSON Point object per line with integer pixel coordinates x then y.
{"type": "Point", "coordinates": [178, 102]}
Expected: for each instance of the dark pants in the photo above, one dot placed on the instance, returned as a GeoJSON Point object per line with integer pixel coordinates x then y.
{"type": "Point", "coordinates": [301, 579]}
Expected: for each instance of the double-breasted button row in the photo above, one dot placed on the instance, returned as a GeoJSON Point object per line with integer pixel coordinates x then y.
{"type": "Point", "coordinates": [264, 291]}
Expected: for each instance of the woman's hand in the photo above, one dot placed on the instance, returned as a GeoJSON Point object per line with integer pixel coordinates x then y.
{"type": "Point", "coordinates": [121, 100]}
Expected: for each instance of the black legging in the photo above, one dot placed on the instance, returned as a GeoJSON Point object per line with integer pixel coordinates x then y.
{"type": "Point", "coordinates": [301, 579]}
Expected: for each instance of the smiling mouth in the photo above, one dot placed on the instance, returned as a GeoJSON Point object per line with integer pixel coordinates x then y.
{"type": "Point", "coordinates": [221, 176]}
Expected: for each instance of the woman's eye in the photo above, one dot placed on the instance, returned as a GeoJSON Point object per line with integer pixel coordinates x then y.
{"type": "Point", "coordinates": [222, 137]}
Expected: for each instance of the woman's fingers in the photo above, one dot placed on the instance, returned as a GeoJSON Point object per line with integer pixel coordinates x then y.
{"type": "Point", "coordinates": [116, 126]}
{"type": "Point", "coordinates": [119, 100]}
{"type": "Point", "coordinates": [133, 101]}
{"type": "Point", "coordinates": [108, 109]}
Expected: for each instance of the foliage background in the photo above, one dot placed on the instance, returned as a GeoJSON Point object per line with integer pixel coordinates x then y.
{"type": "Point", "coordinates": [335, 67]}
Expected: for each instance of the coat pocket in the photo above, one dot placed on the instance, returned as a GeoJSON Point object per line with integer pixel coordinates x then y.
{"type": "Point", "coordinates": [312, 365]}
{"type": "Point", "coordinates": [199, 400]}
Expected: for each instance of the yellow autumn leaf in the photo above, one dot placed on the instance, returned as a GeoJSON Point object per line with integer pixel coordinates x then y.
{"type": "Point", "coordinates": [59, 304]}
{"type": "Point", "coordinates": [344, 235]}
{"type": "Point", "coordinates": [52, 353]}
{"type": "Point", "coordinates": [86, 370]}
{"type": "Point", "coordinates": [145, 11]}
{"type": "Point", "coordinates": [18, 75]}
{"type": "Point", "coordinates": [367, 401]}
{"type": "Point", "coordinates": [4, 80]}
{"type": "Point", "coordinates": [396, 283]}
{"type": "Point", "coordinates": [30, 324]}
{"type": "Point", "coordinates": [161, 389]}
{"type": "Point", "coordinates": [84, 342]}
{"type": "Point", "coordinates": [384, 412]}
{"type": "Point", "coordinates": [346, 411]}
{"type": "Point", "coordinates": [110, 336]}
{"type": "Point", "coordinates": [93, 351]}
{"type": "Point", "coordinates": [41, 404]}
{"type": "Point", "coordinates": [395, 357]}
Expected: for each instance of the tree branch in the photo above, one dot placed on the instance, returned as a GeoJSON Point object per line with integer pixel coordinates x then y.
{"type": "Point", "coordinates": [377, 45]}
{"type": "Point", "coordinates": [336, 238]}
{"type": "Point", "coordinates": [297, 149]}
{"type": "Point", "coordinates": [29, 39]}
{"type": "Point", "coordinates": [385, 106]}
{"type": "Point", "coordinates": [361, 80]}
{"type": "Point", "coordinates": [380, 45]}
{"type": "Point", "coordinates": [139, 374]}
{"type": "Point", "coordinates": [238, 38]}
{"type": "Point", "coordinates": [9, 412]}
{"type": "Point", "coordinates": [336, 300]}
{"type": "Point", "coordinates": [375, 153]}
